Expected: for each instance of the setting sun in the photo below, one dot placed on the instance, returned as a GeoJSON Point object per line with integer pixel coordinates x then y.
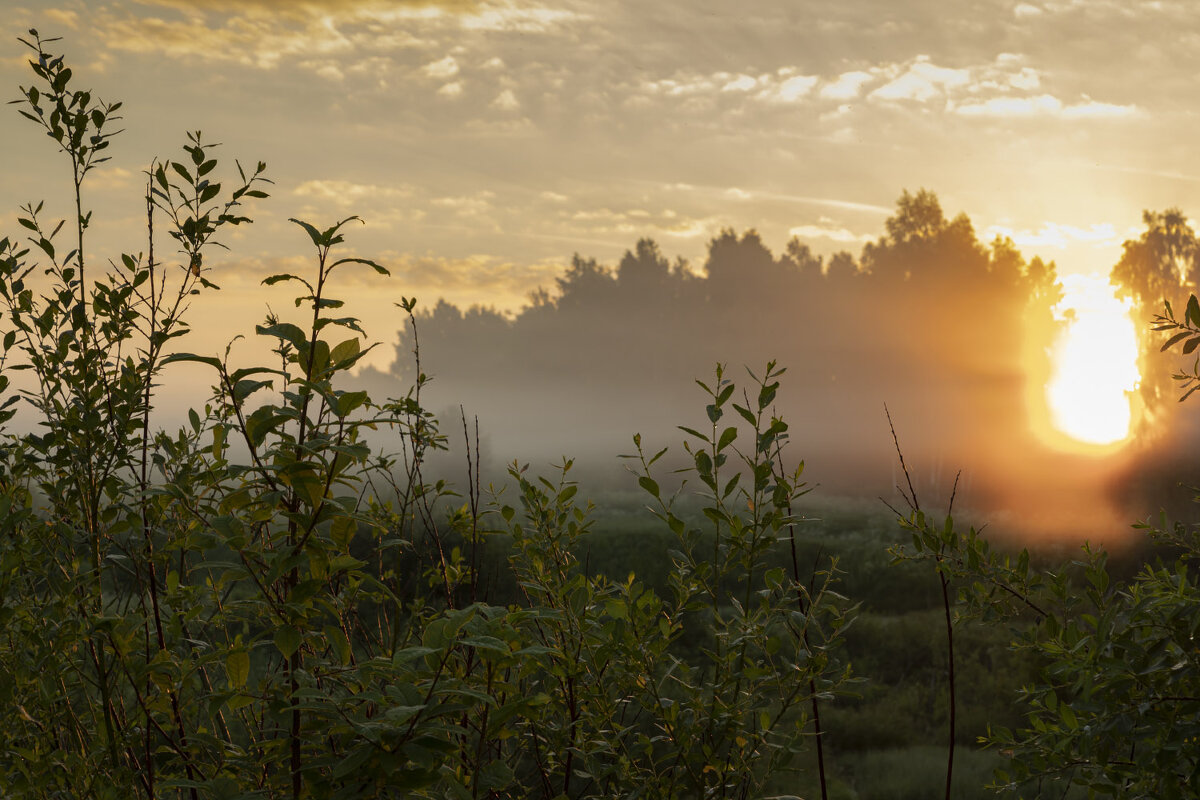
{"type": "Point", "coordinates": [1094, 367]}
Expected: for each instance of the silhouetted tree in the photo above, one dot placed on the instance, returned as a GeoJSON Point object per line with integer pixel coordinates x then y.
{"type": "Point", "coordinates": [908, 326]}
{"type": "Point", "coordinates": [1160, 265]}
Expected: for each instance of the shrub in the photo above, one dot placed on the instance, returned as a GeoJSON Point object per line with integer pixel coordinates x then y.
{"type": "Point", "coordinates": [266, 603]}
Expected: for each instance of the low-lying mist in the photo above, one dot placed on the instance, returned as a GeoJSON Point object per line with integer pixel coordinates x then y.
{"type": "Point", "coordinates": [952, 334]}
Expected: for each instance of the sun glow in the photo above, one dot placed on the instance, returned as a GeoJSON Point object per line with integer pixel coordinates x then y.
{"type": "Point", "coordinates": [1094, 363]}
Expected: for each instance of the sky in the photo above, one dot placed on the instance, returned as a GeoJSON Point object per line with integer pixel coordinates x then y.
{"type": "Point", "coordinates": [483, 143]}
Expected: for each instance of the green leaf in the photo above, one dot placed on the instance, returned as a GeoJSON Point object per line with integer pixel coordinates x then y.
{"type": "Point", "coordinates": [1193, 311]}
{"type": "Point", "coordinates": [495, 776]}
{"type": "Point", "coordinates": [243, 389]}
{"type": "Point", "coordinates": [338, 641]}
{"type": "Point", "coordinates": [210, 360]}
{"type": "Point", "coordinates": [260, 423]}
{"type": "Point", "coordinates": [745, 413]}
{"type": "Point", "coordinates": [402, 657]}
{"type": "Point", "coordinates": [766, 395]}
{"type": "Point", "coordinates": [285, 331]}
{"type": "Point", "coordinates": [368, 262]}
{"type": "Point", "coordinates": [650, 485]}
{"type": "Point", "coordinates": [1174, 340]}
{"type": "Point", "coordinates": [342, 530]}
{"type": "Point", "coordinates": [348, 401]}
{"type": "Point", "coordinates": [399, 715]}
{"type": "Point", "coordinates": [345, 351]}
{"type": "Point", "coordinates": [237, 667]}
{"type": "Point", "coordinates": [287, 640]}
{"type": "Point", "coordinates": [313, 233]}
{"type": "Point", "coordinates": [727, 437]}
{"type": "Point", "coordinates": [355, 760]}
{"type": "Point", "coordinates": [274, 279]}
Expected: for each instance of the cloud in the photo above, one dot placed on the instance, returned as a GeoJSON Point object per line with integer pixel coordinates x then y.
{"type": "Point", "coordinates": [453, 89]}
{"type": "Point", "coordinates": [348, 194]}
{"type": "Point", "coordinates": [1006, 86]}
{"type": "Point", "coordinates": [1045, 105]}
{"type": "Point", "coordinates": [922, 81]}
{"type": "Point", "coordinates": [463, 281]}
{"type": "Point", "coordinates": [492, 129]}
{"type": "Point", "coordinates": [264, 34]}
{"type": "Point", "coordinates": [846, 86]}
{"type": "Point", "coordinates": [472, 205]}
{"type": "Point", "coordinates": [519, 19]}
{"type": "Point", "coordinates": [249, 41]}
{"type": "Point", "coordinates": [62, 16]}
{"type": "Point", "coordinates": [442, 68]}
{"type": "Point", "coordinates": [637, 222]}
{"type": "Point", "coordinates": [1012, 107]}
{"type": "Point", "coordinates": [114, 177]}
{"type": "Point", "coordinates": [313, 6]}
{"type": "Point", "coordinates": [790, 89]}
{"type": "Point", "coordinates": [1053, 234]}
{"type": "Point", "coordinates": [506, 101]}
{"type": "Point", "coordinates": [742, 83]}
{"type": "Point", "coordinates": [737, 193]}
{"type": "Point", "coordinates": [1090, 109]}
{"type": "Point", "coordinates": [784, 85]}
{"type": "Point", "coordinates": [826, 231]}
{"type": "Point", "coordinates": [683, 85]}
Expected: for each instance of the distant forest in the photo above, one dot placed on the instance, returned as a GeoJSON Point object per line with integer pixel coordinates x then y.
{"type": "Point", "coordinates": [951, 332]}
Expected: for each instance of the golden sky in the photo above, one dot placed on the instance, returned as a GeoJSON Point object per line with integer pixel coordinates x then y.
{"type": "Point", "coordinates": [485, 142]}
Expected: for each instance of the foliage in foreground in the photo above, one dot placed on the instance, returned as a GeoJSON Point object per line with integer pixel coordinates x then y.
{"type": "Point", "coordinates": [265, 604]}
{"type": "Point", "coordinates": [1116, 704]}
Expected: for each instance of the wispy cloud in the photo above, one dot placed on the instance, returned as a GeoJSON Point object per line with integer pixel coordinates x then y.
{"type": "Point", "coordinates": [1006, 86]}
{"type": "Point", "coordinates": [738, 193]}
{"type": "Point", "coordinates": [920, 81]}
{"type": "Point", "coordinates": [506, 101]}
{"type": "Point", "coordinates": [309, 7]}
{"type": "Point", "coordinates": [463, 281]}
{"type": "Point", "coordinates": [348, 194]}
{"type": "Point", "coordinates": [442, 68]}
{"type": "Point", "coordinates": [846, 86]}
{"type": "Point", "coordinates": [637, 222]}
{"type": "Point", "coordinates": [1053, 234]}
{"type": "Point", "coordinates": [827, 229]}
{"type": "Point", "coordinates": [265, 34]}
{"type": "Point", "coordinates": [1045, 105]}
